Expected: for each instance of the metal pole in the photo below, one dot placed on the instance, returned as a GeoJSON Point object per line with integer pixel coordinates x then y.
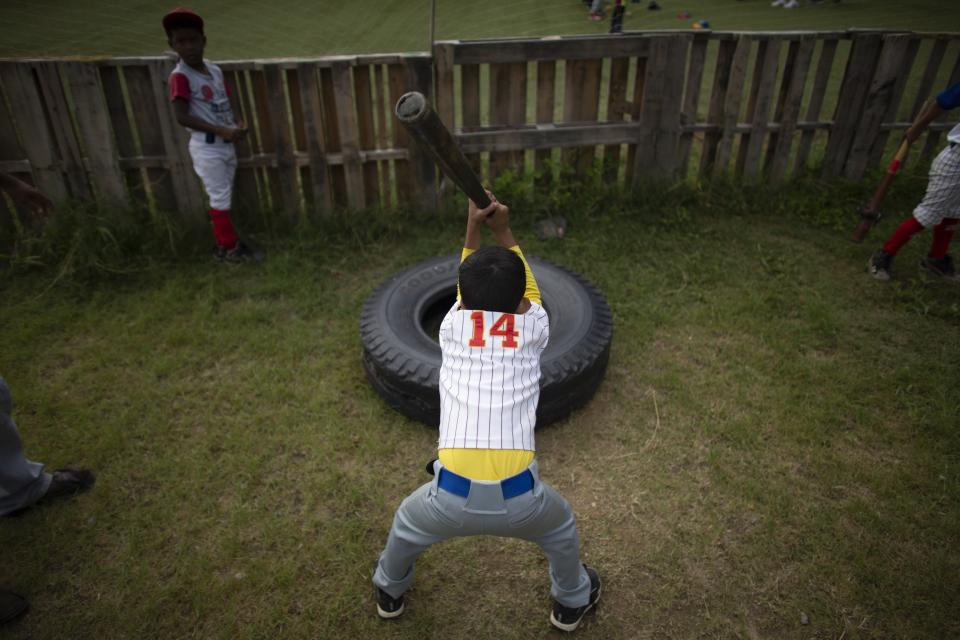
{"type": "Point", "coordinates": [433, 21]}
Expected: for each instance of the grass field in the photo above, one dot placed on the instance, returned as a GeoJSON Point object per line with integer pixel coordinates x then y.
{"type": "Point", "coordinates": [773, 454]}
{"type": "Point", "coordinates": [290, 28]}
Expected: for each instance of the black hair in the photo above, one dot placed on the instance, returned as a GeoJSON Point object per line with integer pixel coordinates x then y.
{"type": "Point", "coordinates": [183, 22]}
{"type": "Point", "coordinates": [492, 279]}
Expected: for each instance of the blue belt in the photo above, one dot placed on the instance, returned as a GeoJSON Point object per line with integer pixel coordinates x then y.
{"type": "Point", "coordinates": [511, 487]}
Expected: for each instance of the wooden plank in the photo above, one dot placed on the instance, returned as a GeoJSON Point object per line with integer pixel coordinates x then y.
{"type": "Point", "coordinates": [365, 133]}
{"type": "Point", "coordinates": [932, 142]}
{"type": "Point", "coordinates": [62, 129]}
{"type": "Point", "coordinates": [937, 52]}
{"type": "Point", "coordinates": [381, 132]}
{"type": "Point", "coordinates": [547, 136]}
{"type": "Point", "coordinates": [10, 153]}
{"type": "Point", "coordinates": [828, 51]}
{"type": "Point", "coordinates": [546, 87]}
{"type": "Point", "coordinates": [143, 107]}
{"type": "Point", "coordinates": [550, 48]}
{"type": "Point", "coordinates": [446, 103]}
{"type": "Point", "coordinates": [853, 93]}
{"type": "Point", "coordinates": [470, 104]}
{"type": "Point", "coordinates": [299, 130]}
{"type": "Point", "coordinates": [581, 103]}
{"type": "Point", "coordinates": [617, 109]}
{"type": "Point", "coordinates": [718, 93]}
{"type": "Point", "coordinates": [246, 196]}
{"type": "Point", "coordinates": [286, 172]}
{"type": "Point", "coordinates": [123, 131]}
{"type": "Point", "coordinates": [188, 190]}
{"type": "Point", "coordinates": [659, 129]}
{"type": "Point", "coordinates": [419, 73]}
{"type": "Point", "coordinates": [768, 61]}
{"type": "Point", "coordinates": [27, 107]}
{"type": "Point", "coordinates": [267, 142]}
{"type": "Point", "coordinates": [789, 110]}
{"type": "Point", "coordinates": [91, 112]}
{"type": "Point", "coordinates": [785, 81]}
{"type": "Point", "coordinates": [731, 105]}
{"type": "Point", "coordinates": [508, 101]}
{"type": "Point", "coordinates": [312, 108]}
{"type": "Point", "coordinates": [349, 135]}
{"type": "Point", "coordinates": [331, 136]}
{"type": "Point", "coordinates": [635, 106]}
{"type": "Point", "coordinates": [878, 102]}
{"type": "Point", "coordinates": [691, 96]}
{"type": "Point", "coordinates": [903, 74]}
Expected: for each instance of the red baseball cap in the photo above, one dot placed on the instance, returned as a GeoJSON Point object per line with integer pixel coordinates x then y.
{"type": "Point", "coordinates": [182, 15]}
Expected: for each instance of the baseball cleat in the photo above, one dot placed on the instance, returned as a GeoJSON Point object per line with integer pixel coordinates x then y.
{"type": "Point", "coordinates": [569, 618]}
{"type": "Point", "coordinates": [941, 267]}
{"type": "Point", "coordinates": [388, 607]}
{"type": "Point", "coordinates": [879, 265]}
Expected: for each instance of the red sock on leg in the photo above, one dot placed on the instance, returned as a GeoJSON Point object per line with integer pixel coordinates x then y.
{"type": "Point", "coordinates": [907, 229]}
{"type": "Point", "coordinates": [942, 235]}
{"type": "Point", "coordinates": [223, 228]}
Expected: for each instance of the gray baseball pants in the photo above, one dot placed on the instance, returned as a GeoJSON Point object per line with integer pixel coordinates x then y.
{"type": "Point", "coordinates": [430, 515]}
{"type": "Point", "coordinates": [21, 482]}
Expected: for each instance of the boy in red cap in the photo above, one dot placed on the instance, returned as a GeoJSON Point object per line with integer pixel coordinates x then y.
{"type": "Point", "coordinates": [201, 102]}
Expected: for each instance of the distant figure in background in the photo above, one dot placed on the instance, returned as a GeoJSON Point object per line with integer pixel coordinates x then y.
{"type": "Point", "coordinates": [596, 10]}
{"type": "Point", "coordinates": [616, 18]}
{"type": "Point", "coordinates": [23, 483]}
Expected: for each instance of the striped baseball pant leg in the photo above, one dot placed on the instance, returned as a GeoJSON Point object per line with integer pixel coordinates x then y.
{"type": "Point", "coordinates": [430, 515]}
{"type": "Point", "coordinates": [942, 199]}
{"type": "Point", "coordinates": [21, 482]}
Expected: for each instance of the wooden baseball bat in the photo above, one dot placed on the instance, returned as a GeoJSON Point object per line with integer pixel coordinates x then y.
{"type": "Point", "coordinates": [870, 213]}
{"type": "Point", "coordinates": [425, 127]}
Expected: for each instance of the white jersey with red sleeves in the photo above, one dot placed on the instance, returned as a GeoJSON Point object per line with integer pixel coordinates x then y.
{"type": "Point", "coordinates": [490, 377]}
{"type": "Point", "coordinates": [206, 94]}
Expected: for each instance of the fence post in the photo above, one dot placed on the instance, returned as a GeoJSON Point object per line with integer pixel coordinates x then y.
{"type": "Point", "coordinates": [27, 108]}
{"type": "Point", "coordinates": [879, 100]}
{"type": "Point", "coordinates": [349, 135]}
{"type": "Point", "coordinates": [856, 80]}
{"type": "Point", "coordinates": [420, 78]}
{"type": "Point", "coordinates": [90, 108]}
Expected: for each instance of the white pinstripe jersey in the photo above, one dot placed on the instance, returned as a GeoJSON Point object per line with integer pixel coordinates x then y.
{"type": "Point", "coordinates": [490, 377]}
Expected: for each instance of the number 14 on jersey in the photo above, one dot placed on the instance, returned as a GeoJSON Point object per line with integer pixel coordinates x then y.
{"type": "Point", "coordinates": [503, 328]}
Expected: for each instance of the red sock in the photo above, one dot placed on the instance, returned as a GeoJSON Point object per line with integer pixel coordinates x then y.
{"type": "Point", "coordinates": [223, 228]}
{"type": "Point", "coordinates": [942, 235]}
{"type": "Point", "coordinates": [904, 232]}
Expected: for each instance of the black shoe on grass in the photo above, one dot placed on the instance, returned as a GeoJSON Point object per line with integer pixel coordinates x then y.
{"type": "Point", "coordinates": [569, 618]}
{"type": "Point", "coordinates": [388, 607]}
{"type": "Point", "coordinates": [941, 267]}
{"type": "Point", "coordinates": [879, 265]}
{"type": "Point", "coordinates": [12, 606]}
{"type": "Point", "coordinates": [243, 253]}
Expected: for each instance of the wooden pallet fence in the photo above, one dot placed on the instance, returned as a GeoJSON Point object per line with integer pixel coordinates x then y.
{"type": "Point", "coordinates": [322, 134]}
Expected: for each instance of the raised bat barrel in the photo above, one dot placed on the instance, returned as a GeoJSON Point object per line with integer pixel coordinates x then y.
{"type": "Point", "coordinates": [425, 127]}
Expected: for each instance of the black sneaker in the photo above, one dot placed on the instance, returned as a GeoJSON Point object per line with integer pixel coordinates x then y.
{"type": "Point", "coordinates": [942, 267]}
{"type": "Point", "coordinates": [568, 618]}
{"type": "Point", "coordinates": [12, 606]}
{"type": "Point", "coordinates": [239, 254]}
{"type": "Point", "coordinates": [879, 265]}
{"type": "Point", "coordinates": [388, 607]}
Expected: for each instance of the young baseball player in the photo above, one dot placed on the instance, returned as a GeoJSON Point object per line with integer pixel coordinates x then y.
{"type": "Point", "coordinates": [201, 102]}
{"type": "Point", "coordinates": [485, 480]}
{"type": "Point", "coordinates": [940, 207]}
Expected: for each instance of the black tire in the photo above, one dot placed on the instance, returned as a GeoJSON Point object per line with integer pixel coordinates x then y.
{"type": "Point", "coordinates": [402, 358]}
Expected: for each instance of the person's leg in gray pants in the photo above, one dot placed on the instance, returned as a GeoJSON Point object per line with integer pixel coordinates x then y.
{"type": "Point", "coordinates": [430, 515]}
{"type": "Point", "coordinates": [22, 482]}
